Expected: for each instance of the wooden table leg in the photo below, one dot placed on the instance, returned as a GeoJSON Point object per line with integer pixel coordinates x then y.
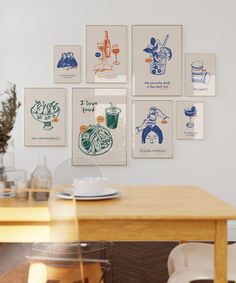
{"type": "Point", "coordinates": [221, 252]}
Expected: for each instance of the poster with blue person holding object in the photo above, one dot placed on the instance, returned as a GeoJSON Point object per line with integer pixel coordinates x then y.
{"type": "Point", "coordinates": [152, 129]}
{"type": "Point", "coordinates": [67, 65]}
{"type": "Point", "coordinates": [157, 60]}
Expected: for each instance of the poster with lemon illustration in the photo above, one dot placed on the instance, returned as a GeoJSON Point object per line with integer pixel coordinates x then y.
{"type": "Point", "coordinates": [45, 116]}
{"type": "Point", "coordinates": [99, 126]}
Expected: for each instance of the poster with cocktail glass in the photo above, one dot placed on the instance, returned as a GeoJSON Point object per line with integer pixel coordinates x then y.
{"type": "Point", "coordinates": [99, 126]}
{"type": "Point", "coordinates": [45, 118]}
{"type": "Point", "coordinates": [152, 129]}
{"type": "Point", "coordinates": [200, 74]}
{"type": "Point", "coordinates": [157, 60]}
{"type": "Point", "coordinates": [190, 120]}
{"type": "Point", "coordinates": [67, 64]}
{"type": "Point", "coordinates": [106, 54]}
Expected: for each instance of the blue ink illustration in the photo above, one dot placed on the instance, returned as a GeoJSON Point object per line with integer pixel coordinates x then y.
{"type": "Point", "coordinates": [95, 140]}
{"type": "Point", "coordinates": [45, 113]}
{"type": "Point", "coordinates": [190, 112]}
{"type": "Point", "coordinates": [159, 55]}
{"type": "Point", "coordinates": [150, 130]}
{"type": "Point", "coordinates": [67, 61]}
{"type": "Point", "coordinates": [199, 73]}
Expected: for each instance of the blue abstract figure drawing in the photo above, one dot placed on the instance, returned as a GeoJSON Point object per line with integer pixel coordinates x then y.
{"type": "Point", "coordinates": [190, 112]}
{"type": "Point", "coordinates": [67, 61]}
{"type": "Point", "coordinates": [149, 128]}
{"type": "Point", "coordinates": [159, 55]}
{"type": "Point", "coordinates": [45, 113]}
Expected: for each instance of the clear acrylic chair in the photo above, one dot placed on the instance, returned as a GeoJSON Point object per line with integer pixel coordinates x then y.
{"type": "Point", "coordinates": [195, 261]}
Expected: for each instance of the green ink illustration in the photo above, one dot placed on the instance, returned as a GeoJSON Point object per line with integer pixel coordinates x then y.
{"type": "Point", "coordinates": [95, 140]}
{"type": "Point", "coordinates": [112, 116]}
{"type": "Point", "coordinates": [45, 113]}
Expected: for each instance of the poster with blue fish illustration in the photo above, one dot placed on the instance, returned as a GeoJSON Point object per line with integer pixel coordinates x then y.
{"type": "Point", "coordinates": [152, 129]}
{"type": "Point", "coordinates": [45, 117]}
{"type": "Point", "coordinates": [157, 60]}
{"type": "Point", "coordinates": [99, 126]}
{"type": "Point", "coordinates": [67, 64]}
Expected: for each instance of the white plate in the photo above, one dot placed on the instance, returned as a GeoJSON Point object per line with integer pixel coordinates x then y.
{"type": "Point", "coordinates": [105, 192]}
{"type": "Point", "coordinates": [65, 195]}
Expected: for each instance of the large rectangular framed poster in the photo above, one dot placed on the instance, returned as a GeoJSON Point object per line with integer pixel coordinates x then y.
{"type": "Point", "coordinates": [152, 129]}
{"type": "Point", "coordinates": [99, 126]}
{"type": "Point", "coordinates": [45, 119]}
{"type": "Point", "coordinates": [157, 60]}
{"type": "Point", "coordinates": [106, 54]}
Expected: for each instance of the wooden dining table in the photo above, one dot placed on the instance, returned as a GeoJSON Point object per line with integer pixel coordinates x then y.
{"type": "Point", "coordinates": [141, 213]}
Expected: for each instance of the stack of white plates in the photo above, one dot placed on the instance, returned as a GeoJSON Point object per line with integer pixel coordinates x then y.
{"type": "Point", "coordinates": [107, 193]}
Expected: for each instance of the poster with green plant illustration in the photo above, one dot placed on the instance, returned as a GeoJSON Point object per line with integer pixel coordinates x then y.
{"type": "Point", "coordinates": [45, 116]}
{"type": "Point", "coordinates": [99, 126]}
{"type": "Point", "coordinates": [157, 60]}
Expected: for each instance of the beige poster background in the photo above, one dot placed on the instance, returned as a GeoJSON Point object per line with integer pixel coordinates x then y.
{"type": "Point", "coordinates": [45, 105]}
{"type": "Point", "coordinates": [149, 146]}
{"type": "Point", "coordinates": [106, 71]}
{"type": "Point", "coordinates": [67, 74]}
{"type": "Point", "coordinates": [90, 106]}
{"type": "Point", "coordinates": [146, 83]}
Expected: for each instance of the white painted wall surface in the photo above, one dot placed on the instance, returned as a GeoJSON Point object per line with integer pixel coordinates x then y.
{"type": "Point", "coordinates": [30, 28]}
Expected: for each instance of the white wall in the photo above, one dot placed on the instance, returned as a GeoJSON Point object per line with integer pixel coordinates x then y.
{"type": "Point", "coordinates": [30, 28]}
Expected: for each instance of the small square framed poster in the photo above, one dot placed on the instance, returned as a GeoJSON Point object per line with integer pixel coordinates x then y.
{"type": "Point", "coordinates": [99, 126]}
{"type": "Point", "coordinates": [200, 74]}
{"type": "Point", "coordinates": [152, 129]}
{"type": "Point", "coordinates": [106, 54]}
{"type": "Point", "coordinates": [190, 120]}
{"type": "Point", "coordinates": [67, 64]}
{"type": "Point", "coordinates": [45, 119]}
{"type": "Point", "coordinates": [157, 60]}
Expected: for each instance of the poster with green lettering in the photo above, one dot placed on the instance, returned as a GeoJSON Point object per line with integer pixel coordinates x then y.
{"type": "Point", "coordinates": [99, 126]}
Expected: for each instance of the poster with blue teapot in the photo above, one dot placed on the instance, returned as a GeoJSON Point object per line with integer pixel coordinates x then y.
{"type": "Point", "coordinates": [157, 60]}
{"type": "Point", "coordinates": [152, 129]}
{"type": "Point", "coordinates": [45, 118]}
{"type": "Point", "coordinates": [99, 126]}
{"type": "Point", "coordinates": [200, 74]}
{"type": "Point", "coordinates": [67, 64]}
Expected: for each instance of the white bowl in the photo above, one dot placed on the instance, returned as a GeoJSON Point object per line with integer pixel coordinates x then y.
{"type": "Point", "coordinates": [89, 186]}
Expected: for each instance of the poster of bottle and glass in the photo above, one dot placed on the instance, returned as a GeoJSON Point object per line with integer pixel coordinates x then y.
{"type": "Point", "coordinates": [106, 53]}
{"type": "Point", "coordinates": [45, 116]}
{"type": "Point", "coordinates": [200, 74]}
{"type": "Point", "coordinates": [157, 60]}
{"type": "Point", "coordinates": [152, 129]}
{"type": "Point", "coordinates": [99, 126]}
{"type": "Point", "coordinates": [66, 64]}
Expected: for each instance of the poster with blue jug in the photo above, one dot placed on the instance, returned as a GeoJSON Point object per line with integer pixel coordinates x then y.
{"type": "Point", "coordinates": [190, 120]}
{"type": "Point", "coordinates": [152, 129]}
{"type": "Point", "coordinates": [200, 74]}
{"type": "Point", "coordinates": [67, 64]}
{"type": "Point", "coordinates": [157, 60]}
{"type": "Point", "coordinates": [99, 126]}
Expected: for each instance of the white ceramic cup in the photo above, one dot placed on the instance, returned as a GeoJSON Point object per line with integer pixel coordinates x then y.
{"type": "Point", "coordinates": [89, 186]}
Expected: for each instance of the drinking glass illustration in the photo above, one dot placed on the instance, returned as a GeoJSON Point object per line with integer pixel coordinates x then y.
{"type": "Point", "coordinates": [199, 73]}
{"type": "Point", "coordinates": [100, 46]}
{"type": "Point", "coordinates": [112, 117]}
{"type": "Point", "coordinates": [115, 50]}
{"type": "Point", "coordinates": [190, 112]}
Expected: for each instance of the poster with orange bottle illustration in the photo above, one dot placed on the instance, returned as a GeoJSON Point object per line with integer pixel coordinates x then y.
{"type": "Point", "coordinates": [106, 47]}
{"type": "Point", "coordinates": [157, 60]}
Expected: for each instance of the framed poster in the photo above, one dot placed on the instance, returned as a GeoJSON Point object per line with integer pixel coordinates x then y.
{"type": "Point", "coordinates": [67, 64]}
{"type": "Point", "coordinates": [45, 119]}
{"type": "Point", "coordinates": [152, 129]}
{"type": "Point", "coordinates": [106, 54]}
{"type": "Point", "coordinates": [190, 120]}
{"type": "Point", "coordinates": [200, 74]}
{"type": "Point", "coordinates": [99, 126]}
{"type": "Point", "coordinates": [157, 60]}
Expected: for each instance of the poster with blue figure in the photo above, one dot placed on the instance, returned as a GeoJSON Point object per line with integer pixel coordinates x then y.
{"type": "Point", "coordinates": [67, 67]}
{"type": "Point", "coordinates": [152, 136]}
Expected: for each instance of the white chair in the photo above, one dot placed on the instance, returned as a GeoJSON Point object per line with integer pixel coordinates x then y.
{"type": "Point", "coordinates": [195, 261]}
